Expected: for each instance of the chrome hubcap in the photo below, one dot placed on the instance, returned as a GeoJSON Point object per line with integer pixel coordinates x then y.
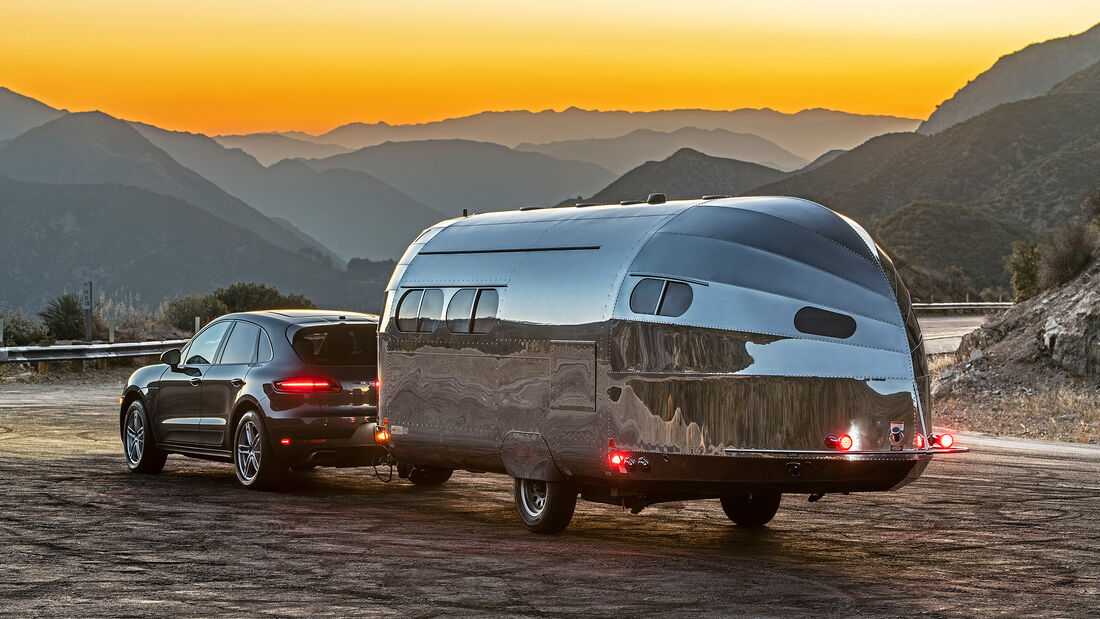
{"type": "Point", "coordinates": [532, 494]}
{"type": "Point", "coordinates": [248, 451]}
{"type": "Point", "coordinates": [135, 437]}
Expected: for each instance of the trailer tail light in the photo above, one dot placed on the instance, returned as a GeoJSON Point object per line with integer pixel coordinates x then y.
{"type": "Point", "coordinates": [920, 441]}
{"type": "Point", "coordinates": [843, 443]}
{"type": "Point", "coordinates": [307, 385]}
{"type": "Point", "coordinates": [382, 436]}
{"type": "Point", "coordinates": [942, 440]}
{"type": "Point", "coordinates": [617, 458]}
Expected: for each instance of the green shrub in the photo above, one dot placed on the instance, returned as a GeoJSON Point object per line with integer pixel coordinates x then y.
{"type": "Point", "coordinates": [181, 313]}
{"type": "Point", "coordinates": [250, 296]}
{"type": "Point", "coordinates": [64, 317]}
{"type": "Point", "coordinates": [1065, 253]}
{"type": "Point", "coordinates": [21, 329]}
{"type": "Point", "coordinates": [1023, 266]}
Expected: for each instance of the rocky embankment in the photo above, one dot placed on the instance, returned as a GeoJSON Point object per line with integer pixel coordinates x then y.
{"type": "Point", "coordinates": [1033, 371]}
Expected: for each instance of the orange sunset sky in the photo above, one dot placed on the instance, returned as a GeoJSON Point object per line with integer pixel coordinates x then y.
{"type": "Point", "coordinates": [242, 66]}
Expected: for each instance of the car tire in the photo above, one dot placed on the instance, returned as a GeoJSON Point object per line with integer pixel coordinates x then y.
{"type": "Point", "coordinates": [545, 506]}
{"type": "Point", "coordinates": [138, 444]}
{"type": "Point", "coordinates": [257, 465]}
{"type": "Point", "coordinates": [753, 509]}
{"type": "Point", "coordinates": [429, 475]}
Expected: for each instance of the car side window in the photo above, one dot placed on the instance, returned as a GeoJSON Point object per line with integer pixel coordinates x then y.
{"type": "Point", "coordinates": [241, 345]}
{"type": "Point", "coordinates": [204, 346]}
{"type": "Point", "coordinates": [265, 353]}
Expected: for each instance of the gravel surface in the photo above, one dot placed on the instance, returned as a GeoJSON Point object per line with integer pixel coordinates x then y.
{"type": "Point", "coordinates": [1011, 528]}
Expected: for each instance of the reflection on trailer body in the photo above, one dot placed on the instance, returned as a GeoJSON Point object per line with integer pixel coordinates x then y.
{"type": "Point", "coordinates": [735, 348]}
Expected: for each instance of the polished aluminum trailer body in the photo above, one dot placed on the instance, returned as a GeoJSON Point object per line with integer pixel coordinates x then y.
{"type": "Point", "coordinates": [794, 327]}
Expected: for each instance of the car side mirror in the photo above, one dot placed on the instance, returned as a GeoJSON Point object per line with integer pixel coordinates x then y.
{"type": "Point", "coordinates": [170, 357]}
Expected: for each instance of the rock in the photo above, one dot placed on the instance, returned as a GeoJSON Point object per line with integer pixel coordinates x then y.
{"type": "Point", "coordinates": [976, 354]}
{"type": "Point", "coordinates": [1066, 417]}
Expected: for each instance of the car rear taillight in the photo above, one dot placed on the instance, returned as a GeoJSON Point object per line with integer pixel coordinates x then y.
{"type": "Point", "coordinates": [307, 384]}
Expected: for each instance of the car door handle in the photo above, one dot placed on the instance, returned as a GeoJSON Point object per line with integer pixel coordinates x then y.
{"type": "Point", "coordinates": [236, 382]}
{"type": "Point", "coordinates": [196, 381]}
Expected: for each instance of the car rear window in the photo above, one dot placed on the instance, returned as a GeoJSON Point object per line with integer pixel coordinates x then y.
{"type": "Point", "coordinates": [337, 345]}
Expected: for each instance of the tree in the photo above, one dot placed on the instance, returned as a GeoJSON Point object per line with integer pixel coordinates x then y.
{"type": "Point", "coordinates": [181, 313]}
{"type": "Point", "coordinates": [64, 317]}
{"type": "Point", "coordinates": [1023, 265]}
{"type": "Point", "coordinates": [21, 329]}
{"type": "Point", "coordinates": [250, 296]}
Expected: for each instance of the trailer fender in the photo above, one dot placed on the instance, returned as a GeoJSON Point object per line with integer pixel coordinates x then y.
{"type": "Point", "coordinates": [526, 456]}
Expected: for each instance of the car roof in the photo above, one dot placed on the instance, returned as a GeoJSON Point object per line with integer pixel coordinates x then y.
{"type": "Point", "coordinates": [307, 316]}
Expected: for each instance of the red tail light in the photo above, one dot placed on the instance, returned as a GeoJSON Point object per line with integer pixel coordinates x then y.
{"type": "Point", "coordinates": [382, 436]}
{"type": "Point", "coordinates": [307, 384]}
{"type": "Point", "coordinates": [844, 443]}
{"type": "Point", "coordinates": [920, 441]}
{"type": "Point", "coordinates": [943, 440]}
{"type": "Point", "coordinates": [285, 441]}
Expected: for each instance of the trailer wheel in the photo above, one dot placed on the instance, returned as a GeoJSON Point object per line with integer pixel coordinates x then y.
{"type": "Point", "coordinates": [753, 509]}
{"type": "Point", "coordinates": [429, 475]}
{"type": "Point", "coordinates": [545, 506]}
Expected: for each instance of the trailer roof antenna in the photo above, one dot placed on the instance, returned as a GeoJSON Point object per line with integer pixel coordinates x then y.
{"type": "Point", "coordinates": [465, 213]}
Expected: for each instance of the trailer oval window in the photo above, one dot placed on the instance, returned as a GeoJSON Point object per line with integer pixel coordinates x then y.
{"type": "Point", "coordinates": [485, 311]}
{"type": "Point", "coordinates": [646, 296]}
{"type": "Point", "coordinates": [408, 309]}
{"type": "Point", "coordinates": [676, 300]}
{"type": "Point", "coordinates": [460, 309]}
{"type": "Point", "coordinates": [431, 309]}
{"type": "Point", "coordinates": [816, 321]}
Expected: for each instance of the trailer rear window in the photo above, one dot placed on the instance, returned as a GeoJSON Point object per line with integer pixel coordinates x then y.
{"type": "Point", "coordinates": [472, 310]}
{"type": "Point", "coordinates": [420, 310]}
{"type": "Point", "coordinates": [337, 345]}
{"type": "Point", "coordinates": [660, 297]}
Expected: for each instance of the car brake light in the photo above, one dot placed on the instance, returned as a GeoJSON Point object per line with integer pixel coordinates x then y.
{"type": "Point", "coordinates": [307, 384]}
{"type": "Point", "coordinates": [285, 441]}
{"type": "Point", "coordinates": [382, 436]}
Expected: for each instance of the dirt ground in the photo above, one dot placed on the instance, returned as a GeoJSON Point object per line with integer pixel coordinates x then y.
{"type": "Point", "coordinates": [1012, 527]}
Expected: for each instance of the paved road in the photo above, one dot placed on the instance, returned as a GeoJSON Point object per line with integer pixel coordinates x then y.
{"type": "Point", "coordinates": [943, 333]}
{"type": "Point", "coordinates": [1013, 527]}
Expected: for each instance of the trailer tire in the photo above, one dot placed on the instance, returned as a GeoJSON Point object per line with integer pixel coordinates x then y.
{"type": "Point", "coordinates": [429, 475]}
{"type": "Point", "coordinates": [545, 506]}
{"type": "Point", "coordinates": [752, 509]}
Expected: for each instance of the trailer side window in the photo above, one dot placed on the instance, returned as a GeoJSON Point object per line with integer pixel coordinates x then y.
{"type": "Point", "coordinates": [676, 299]}
{"type": "Point", "coordinates": [816, 321]}
{"type": "Point", "coordinates": [646, 295]}
{"type": "Point", "coordinates": [431, 309]}
{"type": "Point", "coordinates": [661, 297]}
{"type": "Point", "coordinates": [485, 311]}
{"type": "Point", "coordinates": [408, 309]}
{"type": "Point", "coordinates": [460, 309]}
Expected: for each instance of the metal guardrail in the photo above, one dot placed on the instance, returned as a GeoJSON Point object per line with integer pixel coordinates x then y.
{"type": "Point", "coordinates": [76, 352]}
{"type": "Point", "coordinates": [985, 305]}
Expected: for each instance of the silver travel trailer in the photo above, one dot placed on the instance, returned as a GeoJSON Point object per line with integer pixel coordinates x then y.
{"type": "Point", "coordinates": [732, 348]}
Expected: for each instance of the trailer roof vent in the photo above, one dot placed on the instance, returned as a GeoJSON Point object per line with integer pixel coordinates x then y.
{"type": "Point", "coordinates": [629, 202]}
{"type": "Point", "coordinates": [715, 197]}
{"type": "Point", "coordinates": [655, 198]}
{"type": "Point", "coordinates": [584, 204]}
{"type": "Point", "coordinates": [530, 208]}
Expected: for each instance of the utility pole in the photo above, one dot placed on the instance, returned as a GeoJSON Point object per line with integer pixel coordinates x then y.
{"type": "Point", "coordinates": [87, 303]}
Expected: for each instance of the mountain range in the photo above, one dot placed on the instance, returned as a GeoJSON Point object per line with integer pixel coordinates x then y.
{"type": "Point", "coordinates": [620, 154]}
{"type": "Point", "coordinates": [807, 134]}
{"type": "Point", "coordinates": [1029, 72]}
{"type": "Point", "coordinates": [452, 175]}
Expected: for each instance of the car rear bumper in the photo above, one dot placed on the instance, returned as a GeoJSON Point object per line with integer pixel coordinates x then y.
{"type": "Point", "coordinates": [326, 441]}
